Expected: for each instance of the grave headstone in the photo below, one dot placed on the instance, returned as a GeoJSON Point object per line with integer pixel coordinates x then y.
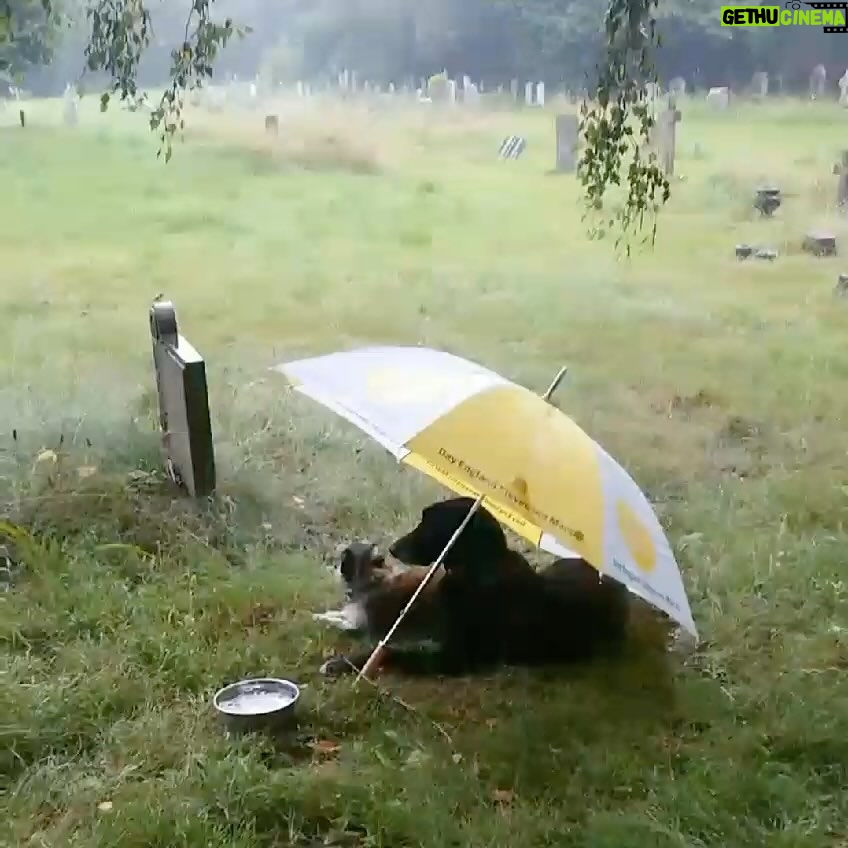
{"type": "Point", "coordinates": [528, 94]}
{"type": "Point", "coordinates": [512, 147]}
{"type": "Point", "coordinates": [820, 243]}
{"type": "Point", "coordinates": [767, 254]}
{"type": "Point", "coordinates": [677, 86]}
{"type": "Point", "coordinates": [719, 97]}
{"type": "Point", "coordinates": [451, 91]}
{"type": "Point", "coordinates": [540, 94]}
{"type": "Point", "coordinates": [663, 139]}
{"type": "Point", "coordinates": [272, 124]}
{"type": "Point", "coordinates": [566, 143]}
{"type": "Point", "coordinates": [843, 89]}
{"type": "Point", "coordinates": [840, 169]}
{"type": "Point", "coordinates": [760, 85]}
{"type": "Point", "coordinates": [652, 92]}
{"type": "Point", "coordinates": [22, 118]}
{"type": "Point", "coordinates": [70, 107]}
{"type": "Point", "coordinates": [744, 251]}
{"type": "Point", "coordinates": [513, 88]}
{"type": "Point", "coordinates": [841, 289]}
{"type": "Point", "coordinates": [183, 404]}
{"type": "Point", "coordinates": [818, 82]}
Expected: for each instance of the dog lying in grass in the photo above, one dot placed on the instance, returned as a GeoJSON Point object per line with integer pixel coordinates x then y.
{"type": "Point", "coordinates": [377, 593]}
{"type": "Point", "coordinates": [488, 607]}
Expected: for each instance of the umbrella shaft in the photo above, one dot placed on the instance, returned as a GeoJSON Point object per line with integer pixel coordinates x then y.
{"type": "Point", "coordinates": [421, 587]}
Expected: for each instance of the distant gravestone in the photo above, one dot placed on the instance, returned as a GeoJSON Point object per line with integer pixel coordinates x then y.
{"type": "Point", "coordinates": [451, 89]}
{"type": "Point", "coordinates": [760, 84]}
{"type": "Point", "coordinates": [70, 107]}
{"type": "Point", "coordinates": [818, 82]}
{"type": "Point", "coordinates": [841, 289]}
{"type": "Point", "coordinates": [540, 94]}
{"type": "Point", "coordinates": [677, 87]}
{"type": "Point", "coordinates": [663, 139]}
{"type": "Point", "coordinates": [472, 94]}
{"type": "Point", "coordinates": [820, 243]}
{"type": "Point", "coordinates": [513, 88]}
{"type": "Point", "coordinates": [719, 98]}
{"type": "Point", "coordinates": [512, 147]}
{"type": "Point", "coordinates": [840, 169]}
{"type": "Point", "coordinates": [183, 404]}
{"type": "Point", "coordinates": [528, 94]}
{"type": "Point", "coordinates": [843, 89]}
{"type": "Point", "coordinates": [272, 125]}
{"type": "Point", "coordinates": [566, 143]}
{"type": "Point", "coordinates": [652, 92]}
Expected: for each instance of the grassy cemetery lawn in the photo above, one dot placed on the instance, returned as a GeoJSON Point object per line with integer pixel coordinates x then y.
{"type": "Point", "coordinates": [720, 384]}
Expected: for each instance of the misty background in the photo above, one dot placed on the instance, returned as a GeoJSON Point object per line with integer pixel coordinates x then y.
{"type": "Point", "coordinates": [494, 41]}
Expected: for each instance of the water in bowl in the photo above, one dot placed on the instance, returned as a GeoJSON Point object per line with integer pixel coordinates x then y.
{"type": "Point", "coordinates": [258, 701]}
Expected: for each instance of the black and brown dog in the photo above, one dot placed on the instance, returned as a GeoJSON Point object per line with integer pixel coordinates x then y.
{"type": "Point", "coordinates": [491, 607]}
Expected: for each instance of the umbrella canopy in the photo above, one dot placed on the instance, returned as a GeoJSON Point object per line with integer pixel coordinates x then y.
{"type": "Point", "coordinates": [482, 435]}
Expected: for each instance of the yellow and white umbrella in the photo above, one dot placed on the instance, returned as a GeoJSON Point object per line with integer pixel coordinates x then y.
{"type": "Point", "coordinates": [526, 461]}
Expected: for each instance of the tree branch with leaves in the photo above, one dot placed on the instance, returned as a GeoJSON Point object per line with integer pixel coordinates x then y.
{"type": "Point", "coordinates": [616, 126]}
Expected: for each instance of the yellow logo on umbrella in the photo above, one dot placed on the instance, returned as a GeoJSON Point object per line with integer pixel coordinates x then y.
{"type": "Point", "coordinates": [636, 537]}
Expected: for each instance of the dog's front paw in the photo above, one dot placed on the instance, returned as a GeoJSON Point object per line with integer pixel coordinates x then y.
{"type": "Point", "coordinates": [337, 667]}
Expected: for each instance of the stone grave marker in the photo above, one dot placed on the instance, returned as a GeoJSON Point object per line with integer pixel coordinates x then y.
{"type": "Point", "coordinates": [451, 89]}
{"type": "Point", "coordinates": [70, 106]}
{"type": "Point", "coordinates": [820, 243]}
{"type": "Point", "coordinates": [818, 82]}
{"type": "Point", "coordinates": [760, 85]}
{"type": "Point", "coordinates": [512, 147]}
{"type": "Point", "coordinates": [567, 127]}
{"type": "Point", "coordinates": [840, 169]}
{"type": "Point", "coordinates": [183, 404]}
{"type": "Point", "coordinates": [513, 88]}
{"type": "Point", "coordinates": [652, 92]}
{"type": "Point", "coordinates": [677, 87]}
{"type": "Point", "coordinates": [841, 289]}
{"type": "Point", "coordinates": [528, 94]}
{"type": "Point", "coordinates": [719, 98]}
{"type": "Point", "coordinates": [540, 94]}
{"type": "Point", "coordinates": [472, 94]}
{"type": "Point", "coordinates": [663, 139]}
{"type": "Point", "coordinates": [272, 124]}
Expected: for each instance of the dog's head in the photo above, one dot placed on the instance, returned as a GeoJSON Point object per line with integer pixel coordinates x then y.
{"type": "Point", "coordinates": [361, 566]}
{"type": "Point", "coordinates": [482, 540]}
